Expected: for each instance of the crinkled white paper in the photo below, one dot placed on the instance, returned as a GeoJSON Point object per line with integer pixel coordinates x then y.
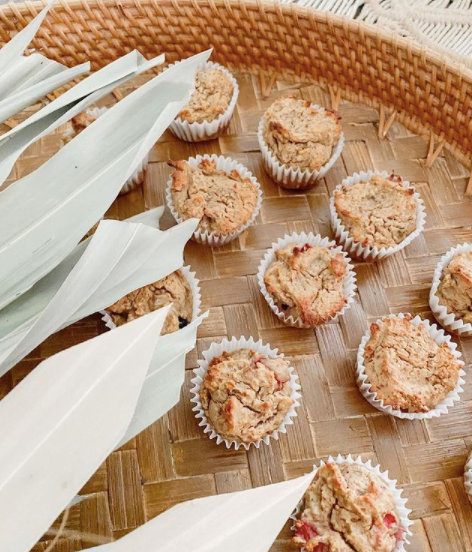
{"type": "Point", "coordinates": [245, 521]}
{"type": "Point", "coordinates": [45, 214]}
{"type": "Point", "coordinates": [69, 414]}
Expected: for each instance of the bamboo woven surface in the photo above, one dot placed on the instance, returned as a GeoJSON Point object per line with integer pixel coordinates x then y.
{"type": "Point", "coordinates": [173, 461]}
{"type": "Point", "coordinates": [428, 93]}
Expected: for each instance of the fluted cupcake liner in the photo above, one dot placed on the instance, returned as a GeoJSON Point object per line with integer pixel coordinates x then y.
{"type": "Point", "coordinates": [349, 284]}
{"type": "Point", "coordinates": [225, 164]}
{"type": "Point", "coordinates": [198, 132]}
{"type": "Point", "coordinates": [468, 477]}
{"type": "Point", "coordinates": [448, 320]}
{"type": "Point", "coordinates": [287, 177]}
{"type": "Point", "coordinates": [138, 174]}
{"type": "Point", "coordinates": [194, 284]}
{"type": "Point", "coordinates": [216, 350]}
{"type": "Point", "coordinates": [443, 406]}
{"type": "Point", "coordinates": [401, 502]}
{"type": "Point", "coordinates": [368, 253]}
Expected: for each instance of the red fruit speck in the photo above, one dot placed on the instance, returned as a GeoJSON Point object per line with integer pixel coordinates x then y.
{"type": "Point", "coordinates": [305, 531]}
{"type": "Point", "coordinates": [302, 249]}
{"type": "Point", "coordinates": [321, 548]}
{"type": "Point", "coordinates": [389, 520]}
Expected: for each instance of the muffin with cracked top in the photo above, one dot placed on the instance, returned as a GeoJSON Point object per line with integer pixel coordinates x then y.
{"type": "Point", "coordinates": [246, 395]}
{"type": "Point", "coordinates": [406, 368]}
{"type": "Point", "coordinates": [174, 289]}
{"type": "Point", "coordinates": [455, 287]}
{"type": "Point", "coordinates": [348, 508]}
{"type": "Point", "coordinates": [307, 282]}
{"type": "Point", "coordinates": [223, 202]}
{"type": "Point", "coordinates": [211, 98]}
{"type": "Point", "coordinates": [377, 212]}
{"type": "Point", "coordinates": [300, 135]}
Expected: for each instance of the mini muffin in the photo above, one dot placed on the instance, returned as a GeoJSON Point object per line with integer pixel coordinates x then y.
{"type": "Point", "coordinates": [455, 287]}
{"type": "Point", "coordinates": [406, 368]}
{"type": "Point", "coordinates": [223, 202]}
{"type": "Point", "coordinates": [80, 122]}
{"type": "Point", "coordinates": [211, 98]}
{"type": "Point", "coordinates": [379, 212]}
{"type": "Point", "coordinates": [174, 289]}
{"type": "Point", "coordinates": [246, 395]}
{"type": "Point", "coordinates": [300, 136]}
{"type": "Point", "coordinates": [348, 508]}
{"type": "Point", "coordinates": [307, 282]}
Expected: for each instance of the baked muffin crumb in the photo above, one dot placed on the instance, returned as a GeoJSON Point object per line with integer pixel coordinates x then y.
{"type": "Point", "coordinates": [246, 395]}
{"type": "Point", "coordinates": [223, 202]}
{"type": "Point", "coordinates": [307, 282]}
{"type": "Point", "coordinates": [174, 289]}
{"type": "Point", "coordinates": [455, 287]}
{"type": "Point", "coordinates": [348, 508]}
{"type": "Point", "coordinates": [299, 135]}
{"type": "Point", "coordinates": [406, 368]}
{"type": "Point", "coordinates": [379, 212]}
{"type": "Point", "coordinates": [211, 98]}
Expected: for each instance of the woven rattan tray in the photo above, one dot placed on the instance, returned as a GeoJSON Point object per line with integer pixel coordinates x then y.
{"type": "Point", "coordinates": [274, 50]}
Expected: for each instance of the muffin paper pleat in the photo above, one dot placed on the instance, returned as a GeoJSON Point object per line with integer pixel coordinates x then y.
{"type": "Point", "coordinates": [443, 406]}
{"type": "Point", "coordinates": [468, 477]}
{"type": "Point", "coordinates": [194, 284]}
{"type": "Point", "coordinates": [368, 253]}
{"type": "Point", "coordinates": [138, 175]}
{"type": "Point", "coordinates": [225, 164]}
{"type": "Point", "coordinates": [401, 502]}
{"type": "Point", "coordinates": [349, 283]}
{"type": "Point", "coordinates": [448, 320]}
{"type": "Point", "coordinates": [217, 349]}
{"type": "Point", "coordinates": [198, 132]}
{"type": "Point", "coordinates": [286, 176]}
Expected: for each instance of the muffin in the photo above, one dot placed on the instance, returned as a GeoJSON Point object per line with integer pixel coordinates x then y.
{"type": "Point", "coordinates": [174, 289]}
{"type": "Point", "coordinates": [379, 212]}
{"type": "Point", "coordinates": [211, 98]}
{"type": "Point", "coordinates": [80, 122]}
{"type": "Point", "coordinates": [348, 507]}
{"type": "Point", "coordinates": [246, 395]}
{"type": "Point", "coordinates": [299, 135]}
{"type": "Point", "coordinates": [406, 368]}
{"type": "Point", "coordinates": [455, 287]}
{"type": "Point", "coordinates": [223, 202]}
{"type": "Point", "coordinates": [307, 282]}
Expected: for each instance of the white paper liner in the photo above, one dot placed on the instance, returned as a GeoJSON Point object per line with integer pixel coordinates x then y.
{"type": "Point", "coordinates": [468, 477]}
{"type": "Point", "coordinates": [198, 132]}
{"type": "Point", "coordinates": [287, 177]}
{"type": "Point", "coordinates": [194, 284]}
{"type": "Point", "coordinates": [443, 406]}
{"type": "Point", "coordinates": [138, 175]}
{"type": "Point", "coordinates": [227, 165]}
{"type": "Point", "coordinates": [217, 349]}
{"type": "Point", "coordinates": [401, 502]}
{"type": "Point", "coordinates": [368, 253]}
{"type": "Point", "coordinates": [448, 320]}
{"type": "Point", "coordinates": [349, 284]}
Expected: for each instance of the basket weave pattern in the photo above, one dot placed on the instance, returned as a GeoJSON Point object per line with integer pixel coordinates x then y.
{"type": "Point", "coordinates": [427, 93]}
{"type": "Point", "coordinates": [172, 460]}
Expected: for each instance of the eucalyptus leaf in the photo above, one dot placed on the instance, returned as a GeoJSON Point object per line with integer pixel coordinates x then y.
{"type": "Point", "coordinates": [246, 521]}
{"type": "Point", "coordinates": [161, 388]}
{"type": "Point", "coordinates": [68, 105]}
{"type": "Point", "coordinates": [45, 214]}
{"type": "Point", "coordinates": [69, 414]}
{"type": "Point", "coordinates": [119, 258]}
